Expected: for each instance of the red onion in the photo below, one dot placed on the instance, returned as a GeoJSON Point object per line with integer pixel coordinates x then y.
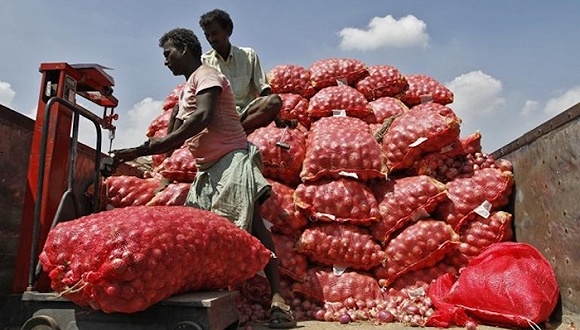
{"type": "Point", "coordinates": [344, 318]}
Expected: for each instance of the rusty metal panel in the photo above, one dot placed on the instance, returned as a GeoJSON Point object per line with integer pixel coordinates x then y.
{"type": "Point", "coordinates": [546, 200]}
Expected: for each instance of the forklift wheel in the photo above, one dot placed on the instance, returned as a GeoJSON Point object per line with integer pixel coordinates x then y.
{"type": "Point", "coordinates": [42, 322]}
{"type": "Point", "coordinates": [187, 325]}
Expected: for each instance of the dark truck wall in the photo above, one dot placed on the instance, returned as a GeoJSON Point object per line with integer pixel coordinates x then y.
{"type": "Point", "coordinates": [16, 132]}
{"type": "Point", "coordinates": [546, 200]}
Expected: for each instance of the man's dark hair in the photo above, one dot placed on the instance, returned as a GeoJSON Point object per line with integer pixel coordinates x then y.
{"type": "Point", "coordinates": [182, 37]}
{"type": "Point", "coordinates": [217, 15]}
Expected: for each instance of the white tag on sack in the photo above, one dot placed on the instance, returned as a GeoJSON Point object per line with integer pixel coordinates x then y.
{"type": "Point", "coordinates": [339, 113]}
{"type": "Point", "coordinates": [325, 215]}
{"type": "Point", "coordinates": [419, 214]}
{"type": "Point", "coordinates": [348, 174]}
{"type": "Point", "coordinates": [418, 142]}
{"type": "Point", "coordinates": [338, 270]}
{"type": "Point", "coordinates": [483, 210]}
{"type": "Point", "coordinates": [268, 224]}
{"type": "Point", "coordinates": [342, 81]}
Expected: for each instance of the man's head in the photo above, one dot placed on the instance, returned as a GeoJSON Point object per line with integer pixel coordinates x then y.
{"type": "Point", "coordinates": [217, 16]}
{"type": "Point", "coordinates": [217, 27]}
{"type": "Point", "coordinates": [181, 48]}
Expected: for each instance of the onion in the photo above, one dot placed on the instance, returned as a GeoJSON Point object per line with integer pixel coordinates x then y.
{"type": "Point", "coordinates": [385, 316]}
{"type": "Point", "coordinates": [344, 318]}
{"type": "Point", "coordinates": [470, 325]}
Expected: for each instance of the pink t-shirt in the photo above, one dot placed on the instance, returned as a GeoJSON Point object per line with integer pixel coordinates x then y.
{"type": "Point", "coordinates": [225, 132]}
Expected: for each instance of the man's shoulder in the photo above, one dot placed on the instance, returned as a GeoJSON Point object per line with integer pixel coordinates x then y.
{"type": "Point", "coordinates": [245, 50]}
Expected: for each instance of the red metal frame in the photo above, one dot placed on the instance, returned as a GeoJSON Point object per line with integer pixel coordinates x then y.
{"type": "Point", "coordinates": [64, 81]}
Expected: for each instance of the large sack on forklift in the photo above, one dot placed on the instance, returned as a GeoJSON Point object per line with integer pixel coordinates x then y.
{"type": "Point", "coordinates": [509, 284]}
{"type": "Point", "coordinates": [127, 259]}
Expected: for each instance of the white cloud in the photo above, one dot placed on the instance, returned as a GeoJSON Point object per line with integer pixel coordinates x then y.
{"type": "Point", "coordinates": [561, 103]}
{"type": "Point", "coordinates": [476, 94]}
{"type": "Point", "coordinates": [386, 32]}
{"type": "Point", "coordinates": [6, 94]}
{"type": "Point", "coordinates": [530, 108]}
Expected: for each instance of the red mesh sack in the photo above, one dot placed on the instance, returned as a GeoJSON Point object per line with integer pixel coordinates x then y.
{"type": "Point", "coordinates": [384, 108]}
{"type": "Point", "coordinates": [179, 167]}
{"type": "Point", "coordinates": [127, 259]}
{"type": "Point", "coordinates": [383, 80]}
{"type": "Point", "coordinates": [481, 232]}
{"type": "Point", "coordinates": [279, 209]}
{"type": "Point", "coordinates": [158, 126]}
{"type": "Point", "coordinates": [487, 190]}
{"type": "Point", "coordinates": [344, 245]}
{"type": "Point", "coordinates": [173, 97]}
{"type": "Point", "coordinates": [327, 72]}
{"type": "Point", "coordinates": [421, 85]}
{"type": "Point", "coordinates": [291, 263]}
{"type": "Point", "coordinates": [403, 201]}
{"type": "Point", "coordinates": [295, 107]}
{"type": "Point", "coordinates": [342, 146]}
{"type": "Point", "coordinates": [283, 151]}
{"type": "Point", "coordinates": [324, 286]}
{"type": "Point", "coordinates": [173, 194]}
{"type": "Point", "coordinates": [424, 128]}
{"type": "Point", "coordinates": [424, 276]}
{"type": "Point", "coordinates": [290, 78]}
{"type": "Point", "coordinates": [509, 284]}
{"type": "Point", "coordinates": [340, 97]}
{"type": "Point", "coordinates": [340, 200]}
{"type": "Point", "coordinates": [453, 160]}
{"type": "Point", "coordinates": [127, 190]}
{"type": "Point", "coordinates": [422, 244]}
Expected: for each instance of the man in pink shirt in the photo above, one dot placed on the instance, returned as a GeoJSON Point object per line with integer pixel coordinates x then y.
{"type": "Point", "coordinates": [207, 121]}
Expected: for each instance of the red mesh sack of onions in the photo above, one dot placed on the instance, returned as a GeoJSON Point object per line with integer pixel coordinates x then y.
{"type": "Point", "coordinates": [482, 232]}
{"type": "Point", "coordinates": [419, 245]}
{"type": "Point", "coordinates": [127, 190]}
{"type": "Point", "coordinates": [173, 194]}
{"type": "Point", "coordinates": [424, 276]}
{"type": "Point", "coordinates": [328, 72]}
{"type": "Point", "coordinates": [343, 245]}
{"type": "Point", "coordinates": [522, 290]}
{"type": "Point", "coordinates": [173, 97]}
{"type": "Point", "coordinates": [279, 209]}
{"type": "Point", "coordinates": [384, 108]}
{"type": "Point", "coordinates": [451, 161]}
{"type": "Point", "coordinates": [383, 80]}
{"type": "Point", "coordinates": [421, 86]}
{"type": "Point", "coordinates": [290, 78]}
{"type": "Point", "coordinates": [423, 129]}
{"type": "Point", "coordinates": [403, 201]}
{"type": "Point", "coordinates": [127, 259]}
{"type": "Point", "coordinates": [158, 129]}
{"type": "Point", "coordinates": [278, 162]}
{"type": "Point", "coordinates": [180, 166]}
{"type": "Point", "coordinates": [291, 263]}
{"type": "Point", "coordinates": [487, 190]}
{"type": "Point", "coordinates": [323, 285]}
{"type": "Point", "coordinates": [339, 200]}
{"type": "Point", "coordinates": [341, 97]}
{"type": "Point", "coordinates": [295, 107]}
{"type": "Point", "coordinates": [342, 146]}
{"type": "Point", "coordinates": [158, 126]}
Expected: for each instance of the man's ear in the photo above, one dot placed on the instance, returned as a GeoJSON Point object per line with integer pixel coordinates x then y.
{"type": "Point", "coordinates": [183, 50]}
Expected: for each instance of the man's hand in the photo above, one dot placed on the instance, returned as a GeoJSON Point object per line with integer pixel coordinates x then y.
{"type": "Point", "coordinates": [126, 154]}
{"type": "Point", "coordinates": [131, 153]}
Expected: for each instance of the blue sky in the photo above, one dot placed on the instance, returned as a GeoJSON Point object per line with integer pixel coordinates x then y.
{"type": "Point", "coordinates": [512, 65]}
